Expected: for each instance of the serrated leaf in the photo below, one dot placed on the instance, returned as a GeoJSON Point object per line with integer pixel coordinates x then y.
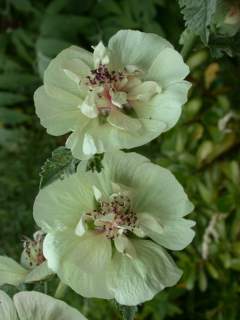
{"type": "Point", "coordinates": [198, 16]}
{"type": "Point", "coordinates": [61, 164]}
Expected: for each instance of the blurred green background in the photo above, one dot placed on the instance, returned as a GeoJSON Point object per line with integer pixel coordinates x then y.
{"type": "Point", "coordinates": [202, 150]}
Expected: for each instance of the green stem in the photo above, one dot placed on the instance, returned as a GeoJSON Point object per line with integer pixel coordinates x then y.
{"type": "Point", "coordinates": [189, 41]}
{"type": "Point", "coordinates": [45, 287]}
{"type": "Point", "coordinates": [60, 291]}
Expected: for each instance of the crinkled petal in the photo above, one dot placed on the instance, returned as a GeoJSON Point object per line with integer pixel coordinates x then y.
{"type": "Point", "coordinates": [168, 67]}
{"type": "Point", "coordinates": [34, 305]}
{"type": "Point", "coordinates": [56, 115]}
{"type": "Point", "coordinates": [121, 121]}
{"type": "Point", "coordinates": [166, 106]}
{"type": "Point", "coordinates": [156, 189]}
{"type": "Point", "coordinates": [173, 234]}
{"type": "Point", "coordinates": [124, 246]}
{"type": "Point", "coordinates": [144, 91]}
{"type": "Point", "coordinates": [77, 67]}
{"type": "Point", "coordinates": [80, 262]}
{"type": "Point", "coordinates": [98, 138]}
{"type": "Point", "coordinates": [130, 47]}
{"type": "Point", "coordinates": [60, 204]}
{"type": "Point", "coordinates": [148, 223]}
{"type": "Point", "coordinates": [134, 281]}
{"type": "Point", "coordinates": [7, 309]}
{"type": "Point", "coordinates": [118, 98]}
{"type": "Point", "coordinates": [11, 272]}
{"type": "Point", "coordinates": [56, 74]}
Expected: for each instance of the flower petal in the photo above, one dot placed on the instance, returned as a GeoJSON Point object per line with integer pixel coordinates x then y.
{"type": "Point", "coordinates": [69, 256]}
{"type": "Point", "coordinates": [168, 67]}
{"type": "Point", "coordinates": [59, 205]}
{"type": "Point", "coordinates": [130, 47]}
{"type": "Point", "coordinates": [56, 75]}
{"type": "Point", "coordinates": [67, 246]}
{"type": "Point", "coordinates": [166, 106]}
{"type": "Point", "coordinates": [11, 272]}
{"type": "Point", "coordinates": [173, 234]}
{"type": "Point", "coordinates": [89, 148]}
{"type": "Point", "coordinates": [149, 224]}
{"type": "Point", "coordinates": [156, 190]}
{"type": "Point", "coordinates": [121, 121]}
{"type": "Point", "coordinates": [88, 107]}
{"type": "Point", "coordinates": [7, 309]}
{"type": "Point", "coordinates": [103, 137]}
{"type": "Point", "coordinates": [100, 54]}
{"type": "Point", "coordinates": [144, 91]}
{"type": "Point", "coordinates": [124, 246]}
{"type": "Point", "coordinates": [134, 281]}
{"type": "Point", "coordinates": [39, 273]}
{"type": "Point", "coordinates": [58, 116]}
{"type": "Point", "coordinates": [38, 306]}
{"type": "Point", "coordinates": [118, 98]}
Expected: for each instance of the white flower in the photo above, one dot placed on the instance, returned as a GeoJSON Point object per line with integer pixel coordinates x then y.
{"type": "Point", "coordinates": [121, 96]}
{"type": "Point", "coordinates": [33, 305]}
{"type": "Point", "coordinates": [106, 232]}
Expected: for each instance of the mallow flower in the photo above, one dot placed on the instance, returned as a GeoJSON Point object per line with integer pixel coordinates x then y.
{"type": "Point", "coordinates": [33, 266]}
{"type": "Point", "coordinates": [118, 97]}
{"type": "Point", "coordinates": [32, 305]}
{"type": "Point", "coordinates": [106, 232]}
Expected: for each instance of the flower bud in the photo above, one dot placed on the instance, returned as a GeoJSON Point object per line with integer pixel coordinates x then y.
{"type": "Point", "coordinates": [32, 255]}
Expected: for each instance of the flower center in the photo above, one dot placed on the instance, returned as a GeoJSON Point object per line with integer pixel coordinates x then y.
{"type": "Point", "coordinates": [102, 76]}
{"type": "Point", "coordinates": [114, 217]}
{"type": "Point", "coordinates": [108, 88]}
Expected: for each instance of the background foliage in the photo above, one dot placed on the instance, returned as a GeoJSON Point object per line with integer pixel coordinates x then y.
{"type": "Point", "coordinates": [202, 150]}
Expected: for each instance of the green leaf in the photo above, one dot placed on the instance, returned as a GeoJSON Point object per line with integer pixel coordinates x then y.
{"type": "Point", "coordinates": [220, 45]}
{"type": "Point", "coordinates": [95, 163]}
{"type": "Point", "coordinates": [22, 5]}
{"type": "Point", "coordinates": [12, 117]}
{"type": "Point", "coordinates": [61, 164]}
{"type": "Point", "coordinates": [7, 98]}
{"type": "Point", "coordinates": [198, 16]}
{"type": "Point", "coordinates": [17, 80]}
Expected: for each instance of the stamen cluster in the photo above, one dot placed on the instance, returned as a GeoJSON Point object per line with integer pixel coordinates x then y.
{"type": "Point", "coordinates": [102, 75]}
{"type": "Point", "coordinates": [114, 217]}
{"type": "Point", "coordinates": [33, 250]}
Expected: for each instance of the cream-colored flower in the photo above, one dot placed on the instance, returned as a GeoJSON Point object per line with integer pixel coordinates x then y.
{"type": "Point", "coordinates": [32, 305]}
{"type": "Point", "coordinates": [117, 97]}
{"type": "Point", "coordinates": [33, 265]}
{"type": "Point", "coordinates": [106, 232]}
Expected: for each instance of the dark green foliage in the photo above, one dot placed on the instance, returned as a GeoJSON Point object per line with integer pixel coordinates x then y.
{"type": "Point", "coordinates": [60, 164]}
{"type": "Point", "coordinates": [95, 163]}
{"type": "Point", "coordinates": [198, 16]}
{"type": "Point", "coordinates": [202, 150]}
